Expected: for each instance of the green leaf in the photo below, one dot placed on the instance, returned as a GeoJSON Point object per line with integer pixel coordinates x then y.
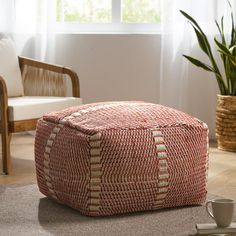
{"type": "Point", "coordinates": [229, 56]}
{"type": "Point", "coordinates": [217, 24]}
{"type": "Point", "coordinates": [192, 20]}
{"type": "Point", "coordinates": [199, 63]}
{"type": "Point", "coordinates": [234, 89]}
{"type": "Point", "coordinates": [222, 47]}
{"type": "Point", "coordinates": [232, 48]}
{"type": "Point", "coordinates": [233, 62]}
{"type": "Point", "coordinates": [201, 40]}
{"type": "Point", "coordinates": [221, 30]}
{"type": "Point", "coordinates": [208, 47]}
{"type": "Point", "coordinates": [222, 24]}
{"type": "Point", "coordinates": [233, 33]}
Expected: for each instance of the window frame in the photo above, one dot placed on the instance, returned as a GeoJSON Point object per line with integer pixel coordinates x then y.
{"type": "Point", "coordinates": [116, 26]}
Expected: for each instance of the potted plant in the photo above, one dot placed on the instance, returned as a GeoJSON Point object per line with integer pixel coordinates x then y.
{"type": "Point", "coordinates": [226, 100]}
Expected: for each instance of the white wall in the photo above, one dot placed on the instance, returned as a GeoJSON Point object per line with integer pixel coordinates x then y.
{"type": "Point", "coordinates": [127, 67]}
{"type": "Point", "coordinates": [112, 67]}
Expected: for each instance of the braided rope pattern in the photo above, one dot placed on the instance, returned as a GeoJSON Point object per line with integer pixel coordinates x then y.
{"type": "Point", "coordinates": [46, 161]}
{"type": "Point", "coordinates": [118, 157]}
{"type": "Point", "coordinates": [163, 172]}
{"type": "Point", "coordinates": [95, 173]}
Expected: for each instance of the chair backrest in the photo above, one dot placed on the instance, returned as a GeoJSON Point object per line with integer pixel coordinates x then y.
{"type": "Point", "coordinates": [9, 68]}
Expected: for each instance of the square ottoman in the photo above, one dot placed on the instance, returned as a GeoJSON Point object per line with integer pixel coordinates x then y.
{"type": "Point", "coordinates": [117, 157]}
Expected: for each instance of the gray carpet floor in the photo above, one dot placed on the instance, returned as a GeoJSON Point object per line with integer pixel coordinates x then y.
{"type": "Point", "coordinates": [25, 211]}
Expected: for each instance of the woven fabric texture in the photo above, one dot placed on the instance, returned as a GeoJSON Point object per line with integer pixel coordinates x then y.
{"type": "Point", "coordinates": [117, 157]}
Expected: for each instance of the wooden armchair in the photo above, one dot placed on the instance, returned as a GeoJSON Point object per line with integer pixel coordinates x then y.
{"type": "Point", "coordinates": [44, 91]}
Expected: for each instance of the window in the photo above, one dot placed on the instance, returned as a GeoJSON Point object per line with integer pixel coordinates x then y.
{"type": "Point", "coordinates": [108, 15]}
{"type": "Point", "coordinates": [85, 11]}
{"type": "Point", "coordinates": [140, 11]}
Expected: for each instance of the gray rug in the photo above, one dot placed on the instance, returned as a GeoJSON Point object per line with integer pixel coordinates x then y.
{"type": "Point", "coordinates": [25, 211]}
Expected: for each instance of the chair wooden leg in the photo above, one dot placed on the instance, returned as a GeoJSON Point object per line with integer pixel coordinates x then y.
{"type": "Point", "coordinates": [6, 159]}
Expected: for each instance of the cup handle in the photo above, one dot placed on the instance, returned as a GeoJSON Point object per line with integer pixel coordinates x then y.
{"type": "Point", "coordinates": [208, 210]}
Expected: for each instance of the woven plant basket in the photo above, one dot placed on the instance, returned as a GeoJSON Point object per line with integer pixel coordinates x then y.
{"type": "Point", "coordinates": [226, 123]}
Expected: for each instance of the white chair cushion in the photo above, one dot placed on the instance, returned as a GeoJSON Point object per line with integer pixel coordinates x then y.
{"type": "Point", "coordinates": [33, 107]}
{"type": "Point", "coordinates": [9, 68]}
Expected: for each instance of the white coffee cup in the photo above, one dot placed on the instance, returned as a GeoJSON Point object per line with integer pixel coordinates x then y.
{"type": "Point", "coordinates": [222, 211]}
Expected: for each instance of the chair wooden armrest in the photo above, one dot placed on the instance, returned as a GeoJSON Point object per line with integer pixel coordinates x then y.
{"type": "Point", "coordinates": [3, 103]}
{"type": "Point", "coordinates": [6, 161]}
{"type": "Point", "coordinates": [23, 61]}
{"type": "Point", "coordinates": [38, 77]}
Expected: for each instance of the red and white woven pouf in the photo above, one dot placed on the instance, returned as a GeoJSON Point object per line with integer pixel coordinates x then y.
{"type": "Point", "coordinates": [117, 157]}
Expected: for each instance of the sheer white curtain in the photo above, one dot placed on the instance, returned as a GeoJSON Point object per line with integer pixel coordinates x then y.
{"type": "Point", "coordinates": [31, 24]}
{"type": "Point", "coordinates": [182, 85]}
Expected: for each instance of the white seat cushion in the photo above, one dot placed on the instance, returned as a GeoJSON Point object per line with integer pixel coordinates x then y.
{"type": "Point", "coordinates": [33, 107]}
{"type": "Point", "coordinates": [9, 68]}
